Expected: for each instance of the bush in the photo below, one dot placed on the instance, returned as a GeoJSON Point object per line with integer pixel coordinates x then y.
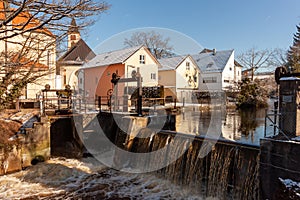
{"type": "Point", "coordinates": [251, 95]}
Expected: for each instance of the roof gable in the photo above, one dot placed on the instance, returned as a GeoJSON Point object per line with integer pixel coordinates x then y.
{"type": "Point", "coordinates": [79, 53]}
{"type": "Point", "coordinates": [210, 62]}
{"type": "Point", "coordinates": [112, 57]}
{"type": "Point", "coordinates": [171, 63]}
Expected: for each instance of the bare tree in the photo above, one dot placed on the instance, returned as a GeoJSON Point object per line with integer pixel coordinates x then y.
{"type": "Point", "coordinates": [29, 33]}
{"type": "Point", "coordinates": [279, 58]}
{"type": "Point", "coordinates": [254, 59]}
{"type": "Point", "coordinates": [156, 43]}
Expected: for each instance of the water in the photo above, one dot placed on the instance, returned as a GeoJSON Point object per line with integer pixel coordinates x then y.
{"type": "Point", "coordinates": [243, 126]}
{"type": "Point", "coordinates": [227, 170]}
{"type": "Point", "coordinates": [61, 178]}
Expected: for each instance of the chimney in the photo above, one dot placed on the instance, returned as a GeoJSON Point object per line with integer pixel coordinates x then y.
{"type": "Point", "coordinates": [214, 51]}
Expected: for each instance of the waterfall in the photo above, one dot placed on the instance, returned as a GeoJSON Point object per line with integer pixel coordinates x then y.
{"type": "Point", "coordinates": [205, 167]}
{"type": "Point", "coordinates": [229, 171]}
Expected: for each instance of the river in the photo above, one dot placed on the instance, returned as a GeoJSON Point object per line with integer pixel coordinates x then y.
{"type": "Point", "coordinates": [62, 178]}
{"type": "Point", "coordinates": [246, 126]}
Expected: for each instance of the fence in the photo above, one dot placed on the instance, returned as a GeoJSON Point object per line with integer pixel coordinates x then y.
{"type": "Point", "coordinates": [52, 101]}
{"type": "Point", "coordinates": [274, 119]}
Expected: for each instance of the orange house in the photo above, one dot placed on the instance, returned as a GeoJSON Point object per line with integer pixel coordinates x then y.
{"type": "Point", "coordinates": [97, 73]}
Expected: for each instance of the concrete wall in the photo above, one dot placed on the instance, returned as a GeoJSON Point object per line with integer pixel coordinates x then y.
{"type": "Point", "coordinates": [278, 159]}
{"type": "Point", "coordinates": [66, 134]}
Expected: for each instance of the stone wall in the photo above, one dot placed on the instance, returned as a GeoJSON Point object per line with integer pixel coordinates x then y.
{"type": "Point", "coordinates": [26, 149]}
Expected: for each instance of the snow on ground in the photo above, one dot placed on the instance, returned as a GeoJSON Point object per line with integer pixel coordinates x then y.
{"type": "Point", "coordinates": [291, 185]}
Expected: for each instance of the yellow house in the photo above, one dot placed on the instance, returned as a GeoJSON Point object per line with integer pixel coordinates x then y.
{"type": "Point", "coordinates": [180, 77]}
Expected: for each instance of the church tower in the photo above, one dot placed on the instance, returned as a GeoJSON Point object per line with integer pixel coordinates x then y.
{"type": "Point", "coordinates": [73, 34]}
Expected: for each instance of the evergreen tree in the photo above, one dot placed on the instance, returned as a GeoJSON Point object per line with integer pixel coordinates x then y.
{"type": "Point", "coordinates": [293, 55]}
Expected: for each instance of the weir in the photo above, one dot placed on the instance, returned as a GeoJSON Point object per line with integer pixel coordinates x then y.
{"type": "Point", "coordinates": [206, 166]}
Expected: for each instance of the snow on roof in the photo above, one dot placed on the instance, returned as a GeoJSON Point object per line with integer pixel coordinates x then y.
{"type": "Point", "coordinates": [210, 62]}
{"type": "Point", "coordinates": [170, 63]}
{"type": "Point", "coordinates": [289, 79]}
{"type": "Point", "coordinates": [112, 57]}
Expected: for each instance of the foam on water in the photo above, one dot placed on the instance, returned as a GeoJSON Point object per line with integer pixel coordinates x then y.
{"type": "Point", "coordinates": [61, 178]}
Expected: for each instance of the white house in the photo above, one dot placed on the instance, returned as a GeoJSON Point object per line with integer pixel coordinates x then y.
{"type": "Point", "coordinates": [218, 71]}
{"type": "Point", "coordinates": [180, 77]}
{"type": "Point", "coordinates": [97, 73]}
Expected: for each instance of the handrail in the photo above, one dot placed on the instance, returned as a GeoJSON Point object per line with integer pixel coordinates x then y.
{"type": "Point", "coordinates": [274, 124]}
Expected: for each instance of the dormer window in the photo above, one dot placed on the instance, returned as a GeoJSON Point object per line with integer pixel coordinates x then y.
{"type": "Point", "coordinates": [142, 59]}
{"type": "Point", "coordinates": [209, 65]}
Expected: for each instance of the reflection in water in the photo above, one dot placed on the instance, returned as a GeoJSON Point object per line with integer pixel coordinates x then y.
{"type": "Point", "coordinates": [245, 126]}
{"type": "Point", "coordinates": [248, 121]}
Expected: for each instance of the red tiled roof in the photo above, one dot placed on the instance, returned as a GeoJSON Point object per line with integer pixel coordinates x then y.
{"type": "Point", "coordinates": [26, 63]}
{"type": "Point", "coordinates": [22, 19]}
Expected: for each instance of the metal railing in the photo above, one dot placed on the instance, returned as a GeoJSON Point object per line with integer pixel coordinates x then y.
{"type": "Point", "coordinates": [273, 120]}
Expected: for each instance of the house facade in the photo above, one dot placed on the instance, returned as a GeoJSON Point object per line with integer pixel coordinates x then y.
{"type": "Point", "coordinates": [97, 73]}
{"type": "Point", "coordinates": [69, 63]}
{"type": "Point", "coordinates": [33, 52]}
{"type": "Point", "coordinates": [180, 77]}
{"type": "Point", "coordinates": [219, 72]}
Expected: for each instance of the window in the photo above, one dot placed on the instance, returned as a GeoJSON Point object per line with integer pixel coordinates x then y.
{"type": "Point", "coordinates": [210, 80]}
{"type": "Point", "coordinates": [73, 37]}
{"type": "Point", "coordinates": [187, 66]}
{"type": "Point", "coordinates": [230, 69]}
{"type": "Point", "coordinates": [195, 78]}
{"type": "Point", "coordinates": [65, 76]}
{"type": "Point", "coordinates": [142, 59]}
{"type": "Point", "coordinates": [209, 65]}
{"type": "Point", "coordinates": [226, 81]}
{"type": "Point", "coordinates": [80, 80]}
{"type": "Point", "coordinates": [153, 76]}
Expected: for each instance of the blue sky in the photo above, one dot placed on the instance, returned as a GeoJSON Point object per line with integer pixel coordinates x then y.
{"type": "Point", "coordinates": [220, 24]}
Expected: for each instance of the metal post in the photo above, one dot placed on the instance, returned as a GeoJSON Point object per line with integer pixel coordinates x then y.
{"type": "Point", "coordinates": [59, 102]}
{"type": "Point", "coordinates": [139, 84]}
{"type": "Point", "coordinates": [109, 103]}
{"type": "Point", "coordinates": [175, 103]}
{"type": "Point", "coordinates": [275, 115]}
{"type": "Point", "coordinates": [99, 103]}
{"type": "Point", "coordinates": [85, 102]}
{"type": "Point", "coordinates": [79, 104]}
{"type": "Point", "coordinates": [125, 103]}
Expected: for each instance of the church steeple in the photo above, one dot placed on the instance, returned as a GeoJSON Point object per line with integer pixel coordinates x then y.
{"type": "Point", "coordinates": [73, 34]}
